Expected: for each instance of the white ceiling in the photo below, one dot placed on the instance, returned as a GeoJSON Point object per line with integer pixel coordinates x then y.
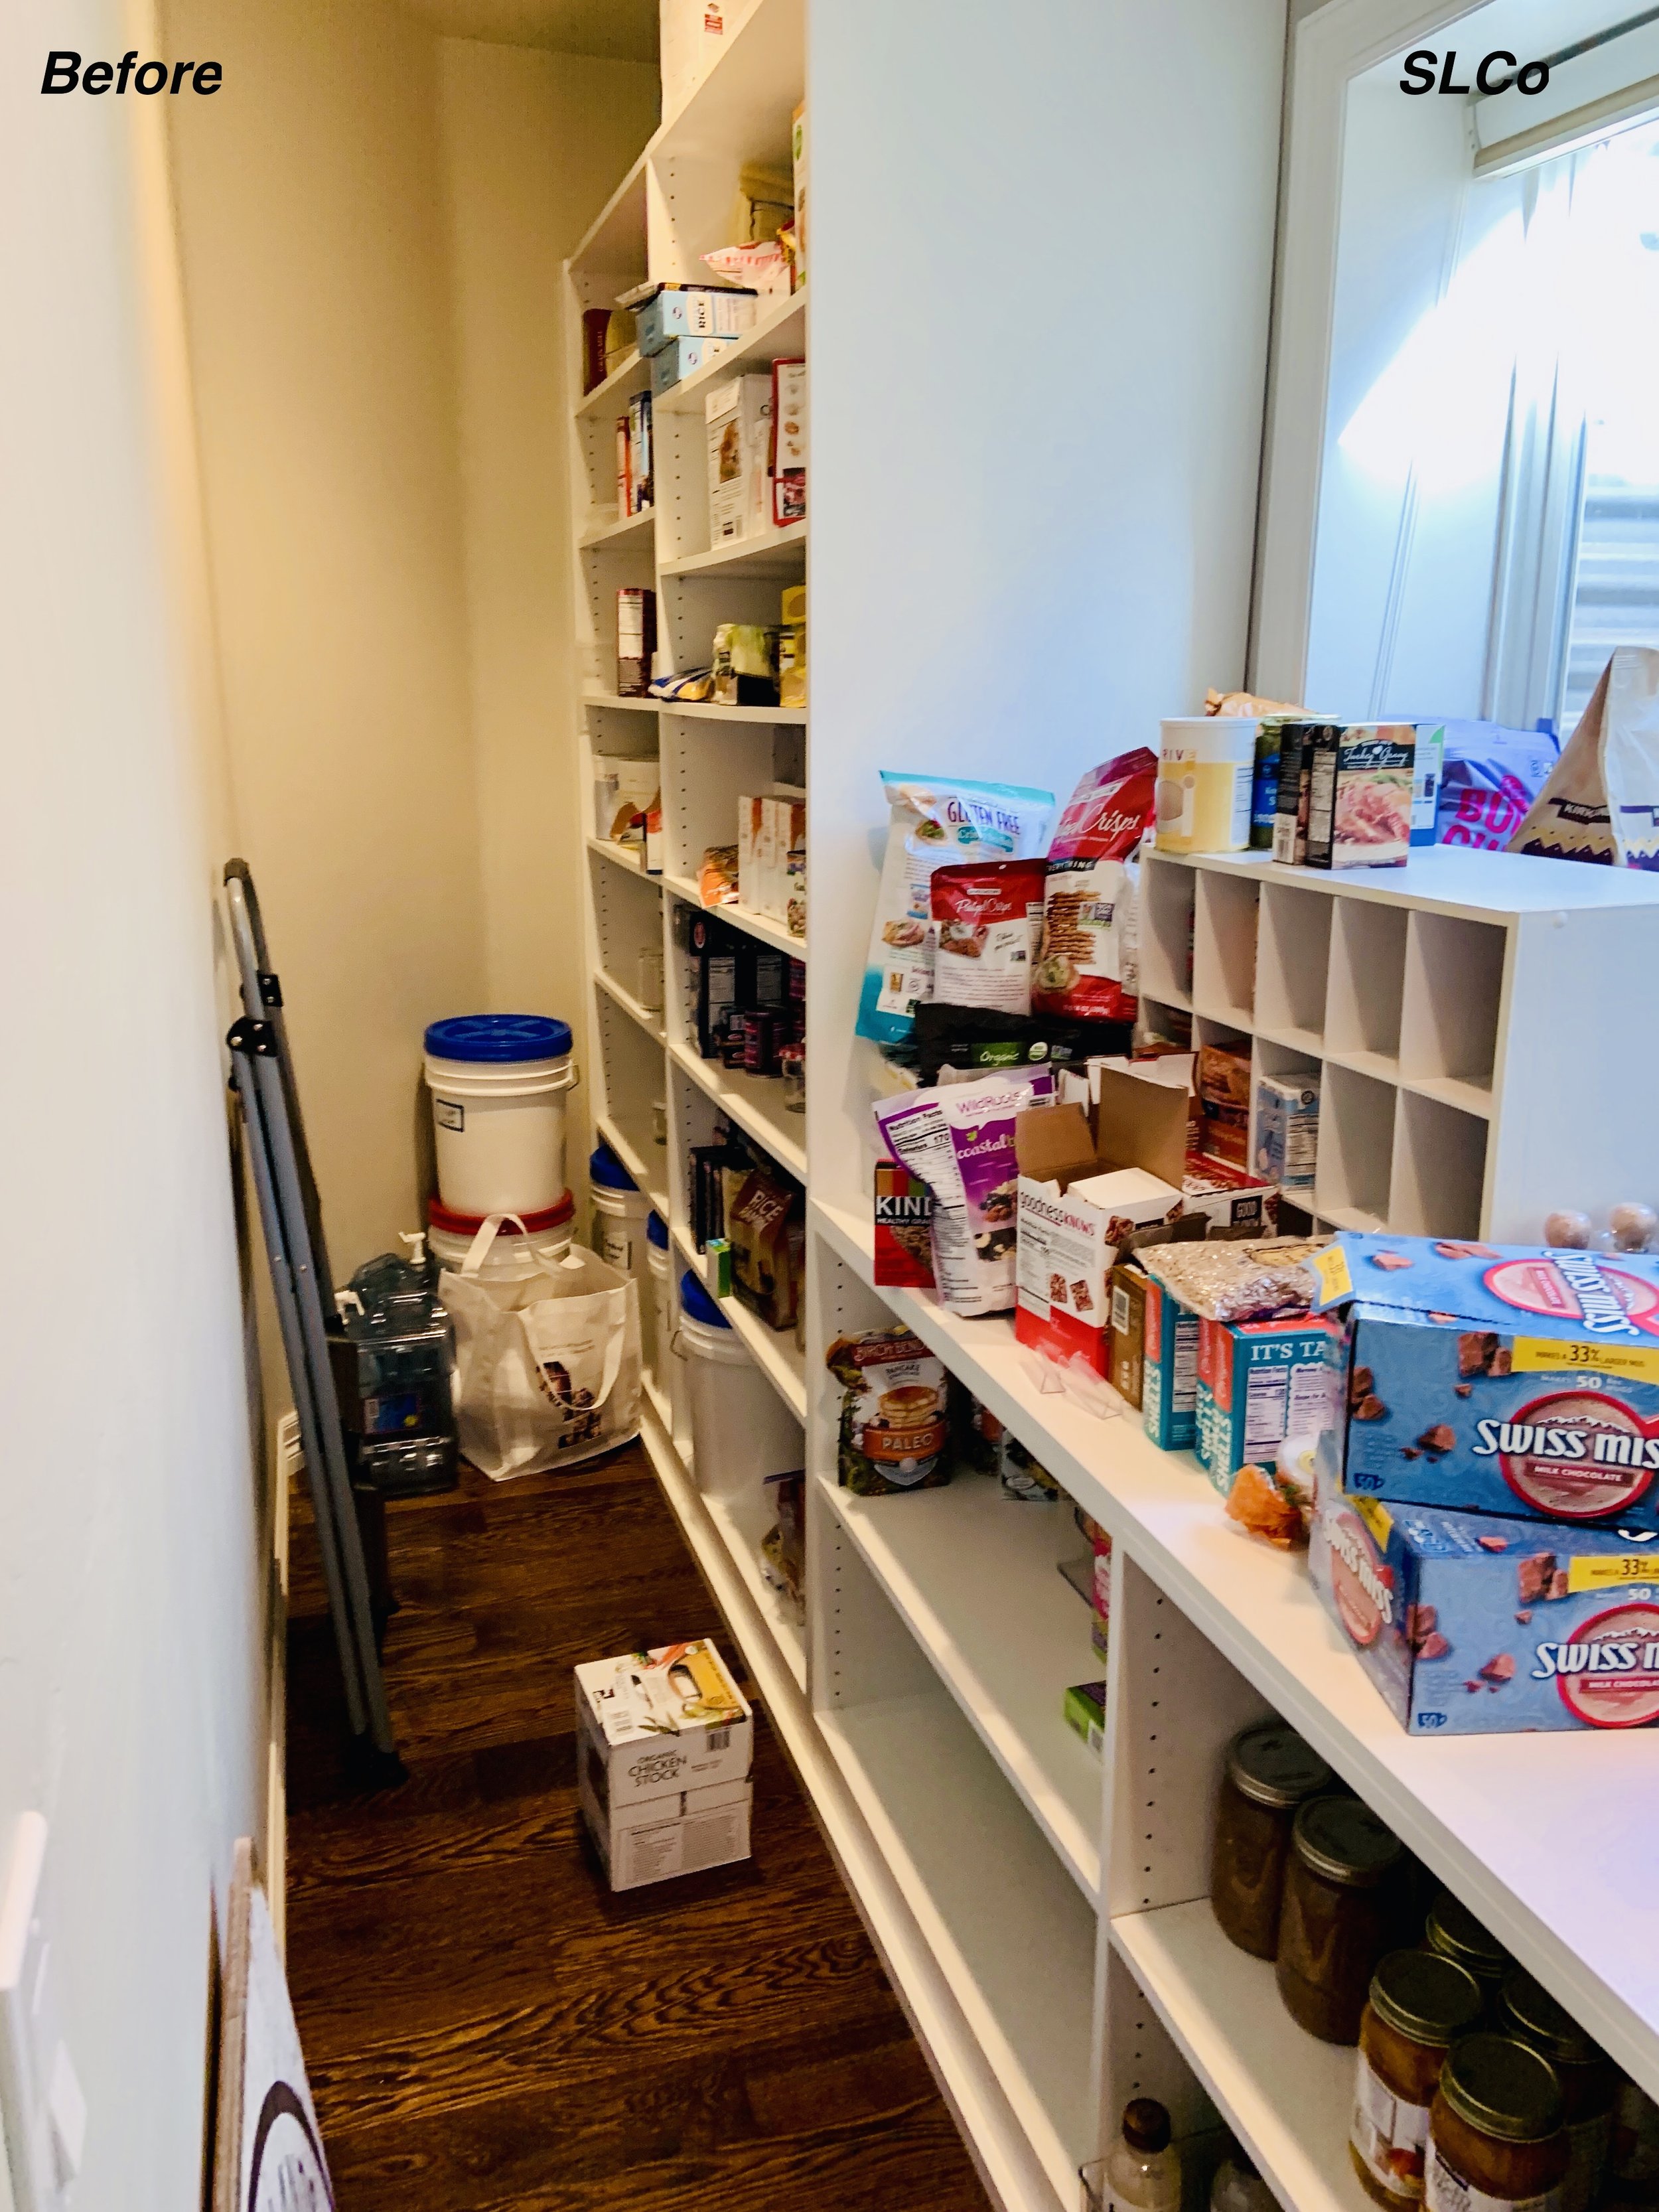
{"type": "Point", "coordinates": [622, 30]}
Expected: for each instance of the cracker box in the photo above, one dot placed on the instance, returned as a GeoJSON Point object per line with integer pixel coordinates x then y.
{"type": "Point", "coordinates": [1168, 1370]}
{"type": "Point", "coordinates": [1502, 1379]}
{"type": "Point", "coordinates": [1260, 1382]}
{"type": "Point", "coordinates": [664, 1740]}
{"type": "Point", "coordinates": [1470, 1625]}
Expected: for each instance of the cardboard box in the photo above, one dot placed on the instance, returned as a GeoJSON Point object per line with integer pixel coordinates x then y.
{"type": "Point", "coordinates": [692, 311]}
{"type": "Point", "coordinates": [737, 415]}
{"type": "Point", "coordinates": [665, 1742]}
{"type": "Point", "coordinates": [1287, 1128]}
{"type": "Point", "coordinates": [1260, 1382]}
{"type": "Point", "coordinates": [1359, 794]}
{"type": "Point", "coordinates": [1469, 1624]}
{"type": "Point", "coordinates": [680, 357]}
{"type": "Point", "coordinates": [788, 442]}
{"type": "Point", "coordinates": [1493, 1379]}
{"type": "Point", "coordinates": [1084, 1709]}
{"type": "Point", "coordinates": [1127, 1350]}
{"type": "Point", "coordinates": [1169, 1374]}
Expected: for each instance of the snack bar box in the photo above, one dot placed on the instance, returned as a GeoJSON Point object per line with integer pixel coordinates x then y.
{"type": "Point", "coordinates": [1495, 1379]}
{"type": "Point", "coordinates": [1260, 1382]}
{"type": "Point", "coordinates": [1470, 1625]}
{"type": "Point", "coordinates": [665, 1738]}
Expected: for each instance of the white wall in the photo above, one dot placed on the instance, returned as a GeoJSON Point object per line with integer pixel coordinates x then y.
{"type": "Point", "coordinates": [131, 1575]}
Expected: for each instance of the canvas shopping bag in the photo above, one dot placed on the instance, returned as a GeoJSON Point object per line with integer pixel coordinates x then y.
{"type": "Point", "coordinates": [548, 1365]}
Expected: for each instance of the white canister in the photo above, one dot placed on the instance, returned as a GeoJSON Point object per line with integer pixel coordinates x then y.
{"type": "Point", "coordinates": [545, 1239]}
{"type": "Point", "coordinates": [657, 1310]}
{"type": "Point", "coordinates": [1206, 764]}
{"type": "Point", "coordinates": [498, 1083]}
{"type": "Point", "coordinates": [741, 1430]}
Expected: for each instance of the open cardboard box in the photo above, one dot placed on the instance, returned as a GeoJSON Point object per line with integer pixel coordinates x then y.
{"type": "Point", "coordinates": [1069, 1243]}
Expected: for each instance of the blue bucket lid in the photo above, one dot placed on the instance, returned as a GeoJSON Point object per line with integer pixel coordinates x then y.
{"type": "Point", "coordinates": [696, 1302]}
{"type": "Point", "coordinates": [605, 1169]}
{"type": "Point", "coordinates": [656, 1232]}
{"type": "Point", "coordinates": [498, 1037]}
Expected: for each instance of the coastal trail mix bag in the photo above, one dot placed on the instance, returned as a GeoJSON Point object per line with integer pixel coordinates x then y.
{"type": "Point", "coordinates": [1080, 970]}
{"type": "Point", "coordinates": [1602, 800]}
{"type": "Point", "coordinates": [934, 820]}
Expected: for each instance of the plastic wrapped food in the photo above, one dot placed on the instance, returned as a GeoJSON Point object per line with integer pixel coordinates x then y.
{"type": "Point", "coordinates": [1267, 1504]}
{"type": "Point", "coordinates": [894, 1412]}
{"type": "Point", "coordinates": [1225, 1280]}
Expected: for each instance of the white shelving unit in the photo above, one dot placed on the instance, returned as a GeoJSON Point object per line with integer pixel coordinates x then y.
{"type": "Point", "coordinates": [1044, 1914]}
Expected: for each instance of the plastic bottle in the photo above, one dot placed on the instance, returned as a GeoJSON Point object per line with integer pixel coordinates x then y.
{"type": "Point", "coordinates": [1237, 2187]}
{"type": "Point", "coordinates": [1141, 2172]}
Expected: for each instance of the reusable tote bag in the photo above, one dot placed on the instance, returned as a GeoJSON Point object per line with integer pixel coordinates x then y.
{"type": "Point", "coordinates": [547, 1366]}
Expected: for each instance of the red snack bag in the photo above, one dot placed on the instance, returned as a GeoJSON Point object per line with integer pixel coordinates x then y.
{"type": "Point", "coordinates": [988, 917]}
{"type": "Point", "coordinates": [1079, 970]}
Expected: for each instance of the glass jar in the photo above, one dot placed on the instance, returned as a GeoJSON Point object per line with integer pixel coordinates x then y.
{"type": "Point", "coordinates": [792, 1066]}
{"type": "Point", "coordinates": [1270, 1772]}
{"type": "Point", "coordinates": [1419, 2004]}
{"type": "Point", "coordinates": [1589, 2079]}
{"type": "Point", "coordinates": [1452, 1931]}
{"type": "Point", "coordinates": [1338, 1917]}
{"type": "Point", "coordinates": [1495, 2135]}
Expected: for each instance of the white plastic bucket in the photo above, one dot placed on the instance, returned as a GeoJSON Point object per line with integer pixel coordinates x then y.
{"type": "Point", "coordinates": [546, 1240]}
{"type": "Point", "coordinates": [741, 1430]}
{"type": "Point", "coordinates": [659, 1309]}
{"type": "Point", "coordinates": [619, 1219]}
{"type": "Point", "coordinates": [498, 1122]}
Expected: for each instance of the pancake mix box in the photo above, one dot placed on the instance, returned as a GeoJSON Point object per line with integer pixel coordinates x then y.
{"type": "Point", "coordinates": [1496, 1379]}
{"type": "Point", "coordinates": [1470, 1625]}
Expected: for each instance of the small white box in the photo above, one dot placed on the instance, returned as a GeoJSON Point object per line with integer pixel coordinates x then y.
{"type": "Point", "coordinates": [664, 1740]}
{"type": "Point", "coordinates": [738, 416]}
{"type": "Point", "coordinates": [664, 1837]}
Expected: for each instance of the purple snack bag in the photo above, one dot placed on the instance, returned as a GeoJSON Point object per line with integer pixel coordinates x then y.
{"type": "Point", "coordinates": [1490, 778]}
{"type": "Point", "coordinates": [959, 1138]}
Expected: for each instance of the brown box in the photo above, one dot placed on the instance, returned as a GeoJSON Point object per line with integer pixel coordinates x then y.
{"type": "Point", "coordinates": [1127, 1353]}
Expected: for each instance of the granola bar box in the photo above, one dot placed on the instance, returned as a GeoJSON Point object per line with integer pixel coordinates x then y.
{"type": "Point", "coordinates": [1471, 1625]}
{"type": "Point", "coordinates": [1502, 1379]}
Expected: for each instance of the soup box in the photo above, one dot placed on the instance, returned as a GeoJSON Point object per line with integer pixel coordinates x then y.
{"type": "Point", "coordinates": [665, 1740]}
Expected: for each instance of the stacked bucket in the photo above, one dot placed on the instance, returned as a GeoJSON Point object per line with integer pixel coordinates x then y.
{"type": "Point", "coordinates": [498, 1085]}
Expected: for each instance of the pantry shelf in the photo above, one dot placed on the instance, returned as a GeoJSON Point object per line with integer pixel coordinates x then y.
{"type": "Point", "coordinates": [632, 373]}
{"type": "Point", "coordinates": [1286, 2096]}
{"type": "Point", "coordinates": [764, 926]}
{"type": "Point", "coordinates": [650, 1022]}
{"type": "Point", "coordinates": [976, 1577]}
{"type": "Point", "coordinates": [640, 1154]}
{"type": "Point", "coordinates": [621, 532]}
{"type": "Point", "coordinates": [780, 553]}
{"type": "Point", "coordinates": [775, 1352]}
{"type": "Point", "coordinates": [615, 699]}
{"type": "Point", "coordinates": [1007, 1926]}
{"type": "Point", "coordinates": [620, 856]}
{"type": "Point", "coordinates": [706, 711]}
{"type": "Point", "coordinates": [742, 106]}
{"type": "Point", "coordinates": [1542, 1836]}
{"type": "Point", "coordinates": [779, 334]}
{"type": "Point", "coordinates": [754, 1103]}
{"type": "Point", "coordinates": [613, 244]}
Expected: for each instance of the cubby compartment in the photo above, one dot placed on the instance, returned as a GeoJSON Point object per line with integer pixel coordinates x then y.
{"type": "Point", "coordinates": [1224, 919]}
{"type": "Point", "coordinates": [633, 1091]}
{"type": "Point", "coordinates": [1167, 893]}
{"type": "Point", "coordinates": [1367, 981]}
{"type": "Point", "coordinates": [1453, 997]}
{"type": "Point", "coordinates": [1439, 1169]}
{"type": "Point", "coordinates": [1284, 1063]}
{"type": "Point", "coordinates": [1356, 1147]}
{"type": "Point", "coordinates": [708, 766]}
{"type": "Point", "coordinates": [628, 921]}
{"type": "Point", "coordinates": [1292, 962]}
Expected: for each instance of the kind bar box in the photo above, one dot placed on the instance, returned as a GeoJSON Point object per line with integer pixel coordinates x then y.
{"type": "Point", "coordinates": [1502, 1379]}
{"type": "Point", "coordinates": [665, 1739]}
{"type": "Point", "coordinates": [1260, 1382]}
{"type": "Point", "coordinates": [1473, 1625]}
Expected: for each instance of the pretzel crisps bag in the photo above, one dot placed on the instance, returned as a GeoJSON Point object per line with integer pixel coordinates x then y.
{"type": "Point", "coordinates": [1080, 970]}
{"type": "Point", "coordinates": [987, 920]}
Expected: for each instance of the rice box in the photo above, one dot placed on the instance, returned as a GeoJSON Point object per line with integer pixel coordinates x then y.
{"type": "Point", "coordinates": [1469, 1624]}
{"type": "Point", "coordinates": [1502, 1379]}
{"type": "Point", "coordinates": [664, 1741]}
{"type": "Point", "coordinates": [1260, 1382]}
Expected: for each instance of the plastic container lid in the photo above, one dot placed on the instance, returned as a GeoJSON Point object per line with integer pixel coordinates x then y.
{"type": "Point", "coordinates": [605, 1169]}
{"type": "Point", "coordinates": [501, 1037]}
{"type": "Point", "coordinates": [696, 1302]}
{"type": "Point", "coordinates": [656, 1232]}
{"type": "Point", "coordinates": [440, 1216]}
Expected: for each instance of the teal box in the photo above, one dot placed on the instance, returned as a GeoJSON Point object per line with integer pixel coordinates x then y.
{"type": "Point", "coordinates": [675, 361]}
{"type": "Point", "coordinates": [1260, 1382]}
{"type": "Point", "coordinates": [1168, 1377]}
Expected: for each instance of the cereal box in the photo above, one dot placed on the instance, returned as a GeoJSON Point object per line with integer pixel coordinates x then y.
{"type": "Point", "coordinates": [1473, 1625]}
{"type": "Point", "coordinates": [1502, 1379]}
{"type": "Point", "coordinates": [1260, 1382]}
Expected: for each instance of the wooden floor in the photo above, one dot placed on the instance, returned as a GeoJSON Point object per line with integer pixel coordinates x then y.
{"type": "Point", "coordinates": [485, 2027]}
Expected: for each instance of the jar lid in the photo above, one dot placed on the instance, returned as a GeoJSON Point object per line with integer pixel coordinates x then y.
{"type": "Point", "coordinates": [1453, 1930]}
{"type": "Point", "coordinates": [1271, 1765]}
{"type": "Point", "coordinates": [504, 1037]}
{"type": "Point", "coordinates": [1425, 1997]}
{"type": "Point", "coordinates": [1501, 2088]}
{"type": "Point", "coordinates": [1145, 2125]}
{"type": "Point", "coordinates": [1343, 1840]}
{"type": "Point", "coordinates": [1526, 2009]}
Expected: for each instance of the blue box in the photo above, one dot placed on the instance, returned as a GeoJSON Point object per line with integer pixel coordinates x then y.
{"type": "Point", "coordinates": [692, 311]}
{"type": "Point", "coordinates": [1260, 1382]}
{"type": "Point", "coordinates": [1169, 1374]}
{"type": "Point", "coordinates": [1472, 1625]}
{"type": "Point", "coordinates": [1502, 1379]}
{"type": "Point", "coordinates": [675, 362]}
{"type": "Point", "coordinates": [1287, 1129]}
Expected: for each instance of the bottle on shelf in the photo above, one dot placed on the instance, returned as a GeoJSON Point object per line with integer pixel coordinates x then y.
{"type": "Point", "coordinates": [1237, 2187]}
{"type": "Point", "coordinates": [1141, 2172]}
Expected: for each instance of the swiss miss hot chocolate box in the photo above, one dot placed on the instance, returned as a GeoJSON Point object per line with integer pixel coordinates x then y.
{"type": "Point", "coordinates": [1501, 1379]}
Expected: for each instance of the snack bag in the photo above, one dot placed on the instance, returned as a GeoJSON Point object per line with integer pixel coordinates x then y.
{"type": "Point", "coordinates": [987, 920]}
{"type": "Point", "coordinates": [934, 820]}
{"type": "Point", "coordinates": [894, 1412]}
{"type": "Point", "coordinates": [1080, 970]}
{"type": "Point", "coordinates": [1488, 779]}
{"type": "Point", "coordinates": [1602, 800]}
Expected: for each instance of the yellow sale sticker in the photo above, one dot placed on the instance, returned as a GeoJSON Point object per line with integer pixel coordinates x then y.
{"type": "Point", "coordinates": [1613, 1572]}
{"type": "Point", "coordinates": [1331, 1266]}
{"type": "Point", "coordinates": [1376, 1517]}
{"type": "Point", "coordinates": [1535, 1354]}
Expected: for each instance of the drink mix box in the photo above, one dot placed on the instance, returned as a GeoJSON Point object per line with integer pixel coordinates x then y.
{"type": "Point", "coordinates": [1501, 1379]}
{"type": "Point", "coordinates": [1472, 1625]}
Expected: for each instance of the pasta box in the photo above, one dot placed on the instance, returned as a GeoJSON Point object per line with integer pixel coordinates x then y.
{"type": "Point", "coordinates": [1502, 1379]}
{"type": "Point", "coordinates": [1471, 1625]}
